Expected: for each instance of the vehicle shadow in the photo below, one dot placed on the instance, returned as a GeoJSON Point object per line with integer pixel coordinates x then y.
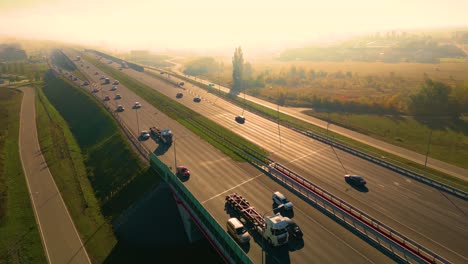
{"type": "Point", "coordinates": [363, 189]}
{"type": "Point", "coordinates": [161, 149]}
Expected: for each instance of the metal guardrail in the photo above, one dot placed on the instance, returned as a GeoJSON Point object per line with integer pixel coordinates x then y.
{"type": "Point", "coordinates": [398, 244]}
{"type": "Point", "coordinates": [386, 164]}
{"type": "Point", "coordinates": [416, 176]}
{"type": "Point", "coordinates": [229, 247]}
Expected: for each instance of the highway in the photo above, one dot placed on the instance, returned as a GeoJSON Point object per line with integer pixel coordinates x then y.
{"type": "Point", "coordinates": [214, 175]}
{"type": "Point", "coordinates": [434, 219]}
{"type": "Point", "coordinates": [60, 239]}
{"type": "Point", "coordinates": [442, 166]}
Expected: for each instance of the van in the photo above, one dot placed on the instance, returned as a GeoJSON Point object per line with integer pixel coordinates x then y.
{"type": "Point", "coordinates": [237, 230]}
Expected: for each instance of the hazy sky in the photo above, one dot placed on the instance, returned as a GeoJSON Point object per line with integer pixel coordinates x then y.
{"type": "Point", "coordinates": [213, 24]}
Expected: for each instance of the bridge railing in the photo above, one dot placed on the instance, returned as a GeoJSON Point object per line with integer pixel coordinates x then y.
{"type": "Point", "coordinates": [396, 243]}
{"type": "Point", "coordinates": [227, 245]}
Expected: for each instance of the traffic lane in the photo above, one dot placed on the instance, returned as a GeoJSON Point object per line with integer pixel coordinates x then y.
{"type": "Point", "coordinates": [324, 241]}
{"type": "Point", "coordinates": [405, 153]}
{"type": "Point", "coordinates": [217, 172]}
{"type": "Point", "coordinates": [374, 210]}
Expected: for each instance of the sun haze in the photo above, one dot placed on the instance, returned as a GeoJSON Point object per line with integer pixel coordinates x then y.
{"type": "Point", "coordinates": [208, 24]}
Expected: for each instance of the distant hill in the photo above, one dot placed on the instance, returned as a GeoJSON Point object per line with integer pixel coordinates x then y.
{"type": "Point", "coordinates": [12, 52]}
{"type": "Point", "coordinates": [392, 47]}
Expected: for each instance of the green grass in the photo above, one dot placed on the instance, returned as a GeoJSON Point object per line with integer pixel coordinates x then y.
{"type": "Point", "coordinates": [97, 172]}
{"type": "Point", "coordinates": [180, 113]}
{"type": "Point", "coordinates": [449, 140]}
{"type": "Point", "coordinates": [20, 241]}
{"type": "Point", "coordinates": [66, 163]}
{"type": "Point", "coordinates": [294, 122]}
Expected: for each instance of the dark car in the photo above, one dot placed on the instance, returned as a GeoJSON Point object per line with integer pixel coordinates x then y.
{"type": "Point", "coordinates": [240, 119]}
{"type": "Point", "coordinates": [355, 179]}
{"type": "Point", "coordinates": [179, 95]}
{"type": "Point", "coordinates": [182, 171]}
{"type": "Point", "coordinates": [293, 229]}
{"type": "Point", "coordinates": [197, 99]}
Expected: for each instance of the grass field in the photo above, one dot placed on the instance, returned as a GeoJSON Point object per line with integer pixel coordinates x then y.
{"type": "Point", "coordinates": [20, 241]}
{"type": "Point", "coordinates": [66, 164]}
{"type": "Point", "coordinates": [100, 176]}
{"type": "Point", "coordinates": [449, 140]}
{"type": "Point", "coordinates": [178, 112]}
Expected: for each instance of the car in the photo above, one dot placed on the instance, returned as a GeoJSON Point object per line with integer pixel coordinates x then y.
{"type": "Point", "coordinates": [197, 99]}
{"type": "Point", "coordinates": [240, 119]}
{"type": "Point", "coordinates": [113, 88]}
{"type": "Point", "coordinates": [237, 230]}
{"type": "Point", "coordinates": [181, 84]}
{"type": "Point", "coordinates": [95, 90]}
{"type": "Point", "coordinates": [102, 77]}
{"type": "Point", "coordinates": [355, 180]}
{"type": "Point", "coordinates": [106, 98]}
{"type": "Point", "coordinates": [115, 82]}
{"type": "Point", "coordinates": [85, 83]}
{"type": "Point", "coordinates": [96, 73]}
{"type": "Point", "coordinates": [144, 135]}
{"type": "Point", "coordinates": [136, 105]}
{"type": "Point", "coordinates": [179, 95]}
{"type": "Point", "coordinates": [211, 85]}
{"type": "Point", "coordinates": [280, 200]}
{"type": "Point", "coordinates": [162, 72]}
{"type": "Point", "coordinates": [294, 230]}
{"type": "Point", "coordinates": [120, 108]}
{"type": "Point", "coordinates": [182, 171]}
{"type": "Point", "coordinates": [118, 96]}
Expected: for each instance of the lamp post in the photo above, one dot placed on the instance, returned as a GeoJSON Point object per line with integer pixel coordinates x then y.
{"type": "Point", "coordinates": [427, 152]}
{"type": "Point", "coordinates": [138, 123]}
{"type": "Point", "coordinates": [264, 228]}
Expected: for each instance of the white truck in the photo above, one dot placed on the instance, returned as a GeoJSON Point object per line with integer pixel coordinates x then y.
{"type": "Point", "coordinates": [272, 228]}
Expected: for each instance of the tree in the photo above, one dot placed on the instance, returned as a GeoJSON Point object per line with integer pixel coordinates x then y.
{"type": "Point", "coordinates": [237, 69]}
{"type": "Point", "coordinates": [434, 100]}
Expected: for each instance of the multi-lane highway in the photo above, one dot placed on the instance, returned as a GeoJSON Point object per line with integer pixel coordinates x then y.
{"type": "Point", "coordinates": [450, 169]}
{"type": "Point", "coordinates": [433, 219]}
{"type": "Point", "coordinates": [214, 175]}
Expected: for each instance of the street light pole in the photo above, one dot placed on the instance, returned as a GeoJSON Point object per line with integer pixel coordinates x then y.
{"type": "Point", "coordinates": [427, 152]}
{"type": "Point", "coordinates": [138, 123]}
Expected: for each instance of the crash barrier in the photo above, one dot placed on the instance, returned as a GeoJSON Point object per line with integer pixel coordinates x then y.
{"type": "Point", "coordinates": [224, 243]}
{"type": "Point", "coordinates": [396, 243]}
{"type": "Point", "coordinates": [386, 164]}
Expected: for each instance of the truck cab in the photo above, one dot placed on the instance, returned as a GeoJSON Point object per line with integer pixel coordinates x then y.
{"type": "Point", "coordinates": [276, 231]}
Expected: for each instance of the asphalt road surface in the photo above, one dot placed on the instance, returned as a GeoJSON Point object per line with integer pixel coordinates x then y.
{"type": "Point", "coordinates": [432, 218]}
{"type": "Point", "coordinates": [59, 236]}
{"type": "Point", "coordinates": [213, 175]}
{"type": "Point", "coordinates": [456, 171]}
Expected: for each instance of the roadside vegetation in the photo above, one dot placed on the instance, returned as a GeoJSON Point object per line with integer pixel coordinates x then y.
{"type": "Point", "coordinates": [290, 121]}
{"type": "Point", "coordinates": [179, 112]}
{"type": "Point", "coordinates": [20, 239]}
{"type": "Point", "coordinates": [93, 165]}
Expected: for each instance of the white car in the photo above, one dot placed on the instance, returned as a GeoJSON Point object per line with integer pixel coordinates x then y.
{"type": "Point", "coordinates": [118, 96]}
{"type": "Point", "coordinates": [113, 88]}
{"type": "Point", "coordinates": [137, 105]}
{"type": "Point", "coordinates": [279, 199]}
{"type": "Point", "coordinates": [144, 135]}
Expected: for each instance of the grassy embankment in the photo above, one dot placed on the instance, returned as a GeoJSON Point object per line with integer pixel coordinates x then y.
{"type": "Point", "coordinates": [449, 140]}
{"type": "Point", "coordinates": [20, 241]}
{"type": "Point", "coordinates": [179, 112]}
{"type": "Point", "coordinates": [294, 122]}
{"type": "Point", "coordinates": [94, 167]}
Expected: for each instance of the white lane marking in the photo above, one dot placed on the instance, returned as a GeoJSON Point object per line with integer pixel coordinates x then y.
{"type": "Point", "coordinates": [242, 183]}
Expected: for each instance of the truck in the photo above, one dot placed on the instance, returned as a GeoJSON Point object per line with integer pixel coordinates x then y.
{"type": "Point", "coordinates": [162, 135]}
{"type": "Point", "coordinates": [272, 228]}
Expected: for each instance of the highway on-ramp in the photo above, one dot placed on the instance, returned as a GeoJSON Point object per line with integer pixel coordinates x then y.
{"type": "Point", "coordinates": [432, 218]}
{"type": "Point", "coordinates": [214, 175]}
{"type": "Point", "coordinates": [59, 236]}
